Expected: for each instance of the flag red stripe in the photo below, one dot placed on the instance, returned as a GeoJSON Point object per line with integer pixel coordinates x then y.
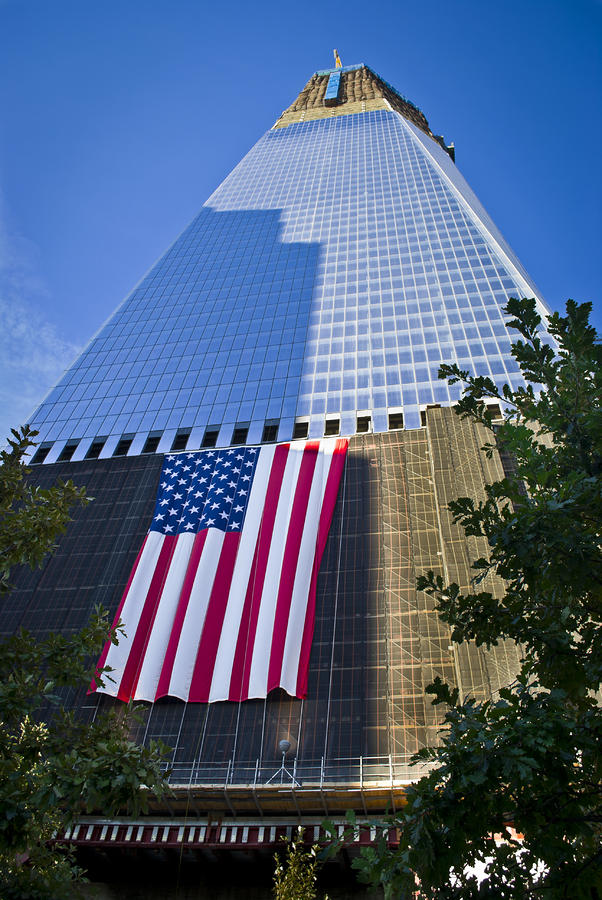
{"type": "Point", "coordinates": [331, 493]}
{"type": "Point", "coordinates": [241, 667]}
{"type": "Point", "coordinates": [103, 656]}
{"type": "Point", "coordinates": [328, 505]}
{"type": "Point", "coordinates": [200, 685]}
{"type": "Point", "coordinates": [289, 560]}
{"type": "Point", "coordinates": [178, 623]}
{"type": "Point", "coordinates": [131, 672]}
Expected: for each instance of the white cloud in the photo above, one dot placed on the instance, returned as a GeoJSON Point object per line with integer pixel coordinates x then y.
{"type": "Point", "coordinates": [33, 355]}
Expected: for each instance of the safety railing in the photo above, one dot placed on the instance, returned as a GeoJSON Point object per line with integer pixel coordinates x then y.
{"type": "Point", "coordinates": [363, 772]}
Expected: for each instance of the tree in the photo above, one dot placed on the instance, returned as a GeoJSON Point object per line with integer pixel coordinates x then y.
{"type": "Point", "coordinates": [524, 767]}
{"type": "Point", "coordinates": [296, 871]}
{"type": "Point", "coordinates": [53, 766]}
{"type": "Point", "coordinates": [31, 518]}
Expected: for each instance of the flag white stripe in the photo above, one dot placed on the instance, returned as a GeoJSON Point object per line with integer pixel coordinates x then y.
{"type": "Point", "coordinates": [183, 668]}
{"type": "Point", "coordinates": [150, 671]}
{"type": "Point", "coordinates": [222, 672]}
{"type": "Point", "coordinates": [267, 610]}
{"type": "Point", "coordinates": [307, 553]}
{"type": "Point", "coordinates": [117, 656]}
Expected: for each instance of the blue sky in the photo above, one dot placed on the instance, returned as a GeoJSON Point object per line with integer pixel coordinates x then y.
{"type": "Point", "coordinates": [120, 118]}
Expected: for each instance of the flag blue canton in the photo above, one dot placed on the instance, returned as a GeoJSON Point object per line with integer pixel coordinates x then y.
{"type": "Point", "coordinates": [207, 489]}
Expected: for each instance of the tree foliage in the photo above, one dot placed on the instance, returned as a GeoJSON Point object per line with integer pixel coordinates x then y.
{"type": "Point", "coordinates": [53, 765]}
{"type": "Point", "coordinates": [31, 518]}
{"type": "Point", "coordinates": [524, 767]}
{"type": "Point", "coordinates": [296, 871]}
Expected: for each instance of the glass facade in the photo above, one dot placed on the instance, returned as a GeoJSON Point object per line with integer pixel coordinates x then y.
{"type": "Point", "coordinates": [325, 280]}
{"type": "Point", "coordinates": [317, 291]}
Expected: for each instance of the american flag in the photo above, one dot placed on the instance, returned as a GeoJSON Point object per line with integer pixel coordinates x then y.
{"type": "Point", "coordinates": [220, 603]}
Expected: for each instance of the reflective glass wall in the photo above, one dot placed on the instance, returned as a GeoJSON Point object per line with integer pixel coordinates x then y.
{"type": "Point", "coordinates": [323, 283]}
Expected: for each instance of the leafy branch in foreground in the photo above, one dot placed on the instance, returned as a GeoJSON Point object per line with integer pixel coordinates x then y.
{"type": "Point", "coordinates": [31, 518]}
{"type": "Point", "coordinates": [296, 870]}
{"type": "Point", "coordinates": [53, 765]}
{"type": "Point", "coordinates": [512, 806]}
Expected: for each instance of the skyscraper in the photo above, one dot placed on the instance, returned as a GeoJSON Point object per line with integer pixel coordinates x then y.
{"type": "Point", "coordinates": [316, 294]}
